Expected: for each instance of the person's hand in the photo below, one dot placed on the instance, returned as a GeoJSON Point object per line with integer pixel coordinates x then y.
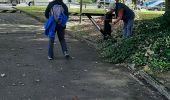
{"type": "Point", "coordinates": [100, 20]}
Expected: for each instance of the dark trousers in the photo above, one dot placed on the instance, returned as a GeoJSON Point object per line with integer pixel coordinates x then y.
{"type": "Point", "coordinates": [61, 36]}
{"type": "Point", "coordinates": [107, 26]}
{"type": "Point", "coordinates": [107, 29]}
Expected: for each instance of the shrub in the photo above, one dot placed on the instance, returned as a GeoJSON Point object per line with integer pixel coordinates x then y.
{"type": "Point", "coordinates": [150, 45]}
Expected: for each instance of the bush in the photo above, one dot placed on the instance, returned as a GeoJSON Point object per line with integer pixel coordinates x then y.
{"type": "Point", "coordinates": [150, 45]}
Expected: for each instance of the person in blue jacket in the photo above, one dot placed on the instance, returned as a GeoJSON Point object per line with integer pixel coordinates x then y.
{"type": "Point", "coordinates": [60, 29]}
{"type": "Point", "coordinates": [124, 13]}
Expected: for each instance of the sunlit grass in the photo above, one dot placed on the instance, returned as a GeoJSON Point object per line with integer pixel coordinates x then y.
{"type": "Point", "coordinates": [33, 8]}
{"type": "Point", "coordinates": [39, 12]}
{"type": "Point", "coordinates": [143, 15]}
{"type": "Point", "coordinates": [75, 10]}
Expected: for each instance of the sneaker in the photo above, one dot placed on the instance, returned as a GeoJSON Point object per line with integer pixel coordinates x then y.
{"type": "Point", "coordinates": [50, 58]}
{"type": "Point", "coordinates": [66, 54]}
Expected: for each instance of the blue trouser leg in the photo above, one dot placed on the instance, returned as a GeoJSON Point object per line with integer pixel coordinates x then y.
{"type": "Point", "coordinates": [127, 29]}
{"type": "Point", "coordinates": [61, 34]}
{"type": "Point", "coordinates": [51, 47]}
{"type": "Point", "coordinates": [61, 37]}
{"type": "Point", "coordinates": [130, 27]}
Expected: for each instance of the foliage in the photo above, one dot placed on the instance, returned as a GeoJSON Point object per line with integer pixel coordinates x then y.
{"type": "Point", "coordinates": [117, 52]}
{"type": "Point", "coordinates": [150, 45]}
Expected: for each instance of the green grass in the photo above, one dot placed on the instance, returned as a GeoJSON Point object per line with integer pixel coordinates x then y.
{"type": "Point", "coordinates": [38, 11]}
{"type": "Point", "coordinates": [77, 10]}
{"type": "Point", "coordinates": [32, 8]}
{"type": "Point", "coordinates": [143, 15]}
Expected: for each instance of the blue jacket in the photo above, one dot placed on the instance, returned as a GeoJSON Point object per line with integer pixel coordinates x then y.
{"type": "Point", "coordinates": [63, 20]}
{"type": "Point", "coordinates": [50, 26]}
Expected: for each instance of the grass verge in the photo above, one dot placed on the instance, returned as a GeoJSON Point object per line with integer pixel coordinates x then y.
{"type": "Point", "coordinates": [38, 11]}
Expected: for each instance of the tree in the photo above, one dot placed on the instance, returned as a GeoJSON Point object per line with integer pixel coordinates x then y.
{"type": "Point", "coordinates": [167, 12]}
{"type": "Point", "coordinates": [167, 6]}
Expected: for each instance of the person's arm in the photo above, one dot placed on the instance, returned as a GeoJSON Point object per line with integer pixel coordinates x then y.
{"type": "Point", "coordinates": [66, 10]}
{"type": "Point", "coordinates": [120, 15]}
{"type": "Point", "coordinates": [47, 11]}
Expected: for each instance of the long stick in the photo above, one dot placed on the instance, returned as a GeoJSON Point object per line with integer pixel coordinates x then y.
{"type": "Point", "coordinates": [95, 24]}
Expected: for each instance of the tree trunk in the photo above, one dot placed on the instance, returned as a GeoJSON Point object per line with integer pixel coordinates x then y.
{"type": "Point", "coordinates": [167, 12]}
{"type": "Point", "coordinates": [167, 6]}
{"type": "Point", "coordinates": [134, 3]}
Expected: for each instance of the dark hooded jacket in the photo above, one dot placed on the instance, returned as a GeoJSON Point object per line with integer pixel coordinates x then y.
{"type": "Point", "coordinates": [128, 13]}
{"type": "Point", "coordinates": [51, 4]}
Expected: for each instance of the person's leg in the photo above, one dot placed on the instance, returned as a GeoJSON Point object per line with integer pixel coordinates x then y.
{"type": "Point", "coordinates": [107, 26]}
{"type": "Point", "coordinates": [130, 27]}
{"type": "Point", "coordinates": [107, 30]}
{"type": "Point", "coordinates": [61, 37]}
{"type": "Point", "coordinates": [125, 30]}
{"type": "Point", "coordinates": [50, 48]}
